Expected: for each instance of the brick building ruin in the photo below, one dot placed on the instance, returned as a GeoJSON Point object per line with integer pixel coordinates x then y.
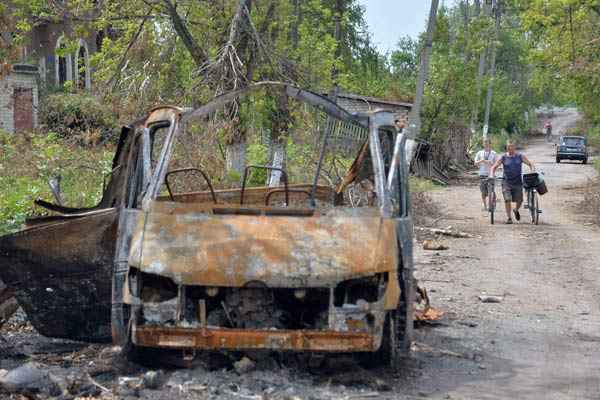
{"type": "Point", "coordinates": [45, 63]}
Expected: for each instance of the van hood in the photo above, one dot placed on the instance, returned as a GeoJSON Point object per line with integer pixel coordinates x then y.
{"type": "Point", "coordinates": [196, 247]}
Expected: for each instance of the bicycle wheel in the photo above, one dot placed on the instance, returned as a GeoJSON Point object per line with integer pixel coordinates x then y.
{"type": "Point", "coordinates": [492, 206]}
{"type": "Point", "coordinates": [536, 205]}
{"type": "Point", "coordinates": [531, 205]}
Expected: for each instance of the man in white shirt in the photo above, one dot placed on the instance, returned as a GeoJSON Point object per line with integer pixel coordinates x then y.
{"type": "Point", "coordinates": [484, 159]}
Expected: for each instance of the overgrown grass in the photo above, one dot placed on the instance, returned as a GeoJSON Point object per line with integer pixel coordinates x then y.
{"type": "Point", "coordinates": [421, 185]}
{"type": "Point", "coordinates": [597, 164]}
{"type": "Point", "coordinates": [593, 135]}
{"type": "Point", "coordinates": [27, 161]}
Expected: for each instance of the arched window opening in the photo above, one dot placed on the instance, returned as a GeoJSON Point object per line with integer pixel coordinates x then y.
{"type": "Point", "coordinates": [81, 70]}
{"type": "Point", "coordinates": [63, 63]}
{"type": "Point", "coordinates": [62, 70]}
{"type": "Point", "coordinates": [82, 65]}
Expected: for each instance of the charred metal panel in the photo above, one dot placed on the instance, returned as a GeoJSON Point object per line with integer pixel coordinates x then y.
{"type": "Point", "coordinates": [127, 221]}
{"type": "Point", "coordinates": [404, 228]}
{"type": "Point", "coordinates": [195, 248]}
{"type": "Point", "coordinates": [61, 274]}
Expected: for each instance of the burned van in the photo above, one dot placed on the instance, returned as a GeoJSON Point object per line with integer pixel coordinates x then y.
{"type": "Point", "coordinates": [305, 262]}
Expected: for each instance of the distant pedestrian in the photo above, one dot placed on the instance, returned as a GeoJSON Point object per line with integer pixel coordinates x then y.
{"type": "Point", "coordinates": [512, 185]}
{"type": "Point", "coordinates": [548, 130]}
{"type": "Point", "coordinates": [484, 159]}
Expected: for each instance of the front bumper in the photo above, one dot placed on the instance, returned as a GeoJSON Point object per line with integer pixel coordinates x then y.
{"type": "Point", "coordinates": [248, 339]}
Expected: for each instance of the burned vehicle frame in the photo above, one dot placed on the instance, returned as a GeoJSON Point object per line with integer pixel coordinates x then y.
{"type": "Point", "coordinates": [224, 269]}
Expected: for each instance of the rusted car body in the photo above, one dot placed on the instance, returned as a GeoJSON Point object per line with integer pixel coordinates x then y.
{"type": "Point", "coordinates": [287, 268]}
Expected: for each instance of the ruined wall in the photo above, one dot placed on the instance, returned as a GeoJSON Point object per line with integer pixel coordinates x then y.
{"type": "Point", "coordinates": [19, 99]}
{"type": "Point", "coordinates": [45, 39]}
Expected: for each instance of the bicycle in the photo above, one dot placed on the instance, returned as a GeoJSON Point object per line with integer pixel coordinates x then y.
{"type": "Point", "coordinates": [530, 183]}
{"type": "Point", "coordinates": [492, 199]}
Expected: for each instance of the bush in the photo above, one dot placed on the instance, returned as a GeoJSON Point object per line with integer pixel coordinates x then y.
{"type": "Point", "coordinates": [593, 135]}
{"type": "Point", "coordinates": [498, 142]}
{"type": "Point", "coordinates": [78, 116]}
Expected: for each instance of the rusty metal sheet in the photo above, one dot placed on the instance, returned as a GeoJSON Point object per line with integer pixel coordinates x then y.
{"type": "Point", "coordinates": [195, 248]}
{"type": "Point", "coordinates": [61, 275]}
{"type": "Point", "coordinates": [162, 113]}
{"type": "Point", "coordinates": [249, 339]}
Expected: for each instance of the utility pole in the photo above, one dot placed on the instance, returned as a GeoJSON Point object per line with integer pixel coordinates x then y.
{"type": "Point", "coordinates": [480, 70]}
{"type": "Point", "coordinates": [415, 115]}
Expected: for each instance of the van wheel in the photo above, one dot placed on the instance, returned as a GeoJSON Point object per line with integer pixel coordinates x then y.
{"type": "Point", "coordinates": [557, 160]}
{"type": "Point", "coordinates": [585, 160]}
{"type": "Point", "coordinates": [388, 354]}
{"type": "Point", "coordinates": [130, 351]}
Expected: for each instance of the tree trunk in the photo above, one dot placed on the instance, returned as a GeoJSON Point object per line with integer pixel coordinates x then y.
{"type": "Point", "coordinates": [235, 156]}
{"type": "Point", "coordinates": [280, 123]}
{"type": "Point", "coordinates": [281, 118]}
{"type": "Point", "coordinates": [480, 73]}
{"type": "Point", "coordinates": [340, 6]}
{"type": "Point", "coordinates": [278, 151]}
{"type": "Point", "coordinates": [197, 53]}
{"type": "Point", "coordinates": [294, 31]}
{"type": "Point", "coordinates": [235, 146]}
{"type": "Point", "coordinates": [466, 21]}
{"type": "Point", "coordinates": [415, 117]}
{"type": "Point", "coordinates": [490, 88]}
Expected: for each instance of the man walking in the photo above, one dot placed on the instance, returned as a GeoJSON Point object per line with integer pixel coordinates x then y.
{"type": "Point", "coordinates": [512, 185]}
{"type": "Point", "coordinates": [484, 159]}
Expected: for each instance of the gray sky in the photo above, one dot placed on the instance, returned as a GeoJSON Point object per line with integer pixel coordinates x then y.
{"type": "Point", "coordinates": [391, 19]}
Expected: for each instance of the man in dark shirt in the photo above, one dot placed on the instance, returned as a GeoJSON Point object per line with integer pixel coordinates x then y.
{"type": "Point", "coordinates": [512, 185]}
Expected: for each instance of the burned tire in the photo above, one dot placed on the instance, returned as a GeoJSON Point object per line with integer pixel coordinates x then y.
{"type": "Point", "coordinates": [387, 354]}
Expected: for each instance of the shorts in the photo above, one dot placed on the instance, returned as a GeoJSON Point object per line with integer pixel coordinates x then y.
{"type": "Point", "coordinates": [512, 192]}
{"type": "Point", "coordinates": [483, 185]}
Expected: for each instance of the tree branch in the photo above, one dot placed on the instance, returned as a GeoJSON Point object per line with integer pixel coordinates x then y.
{"type": "Point", "coordinates": [198, 54]}
{"type": "Point", "coordinates": [113, 79]}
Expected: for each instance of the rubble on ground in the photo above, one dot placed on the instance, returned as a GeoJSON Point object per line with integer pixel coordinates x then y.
{"type": "Point", "coordinates": [434, 245]}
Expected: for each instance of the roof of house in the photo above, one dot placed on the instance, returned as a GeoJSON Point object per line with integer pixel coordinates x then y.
{"type": "Point", "coordinates": [370, 99]}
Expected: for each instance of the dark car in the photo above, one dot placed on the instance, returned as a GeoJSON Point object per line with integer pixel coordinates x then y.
{"type": "Point", "coordinates": [572, 148]}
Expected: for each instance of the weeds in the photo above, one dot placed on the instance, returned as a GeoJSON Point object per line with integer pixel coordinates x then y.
{"type": "Point", "coordinates": [591, 199]}
{"type": "Point", "coordinates": [78, 116]}
{"type": "Point", "coordinates": [27, 161]}
{"type": "Point", "coordinates": [420, 185]}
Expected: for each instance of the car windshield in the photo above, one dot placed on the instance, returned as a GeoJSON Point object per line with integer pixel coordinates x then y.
{"type": "Point", "coordinates": [573, 141]}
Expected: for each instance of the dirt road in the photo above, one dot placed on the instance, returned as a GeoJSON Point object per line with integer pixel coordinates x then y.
{"type": "Point", "coordinates": [562, 119]}
{"type": "Point", "coordinates": [543, 340]}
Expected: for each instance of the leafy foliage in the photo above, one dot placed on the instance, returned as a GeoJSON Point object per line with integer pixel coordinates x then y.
{"type": "Point", "coordinates": [27, 162]}
{"type": "Point", "coordinates": [77, 116]}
